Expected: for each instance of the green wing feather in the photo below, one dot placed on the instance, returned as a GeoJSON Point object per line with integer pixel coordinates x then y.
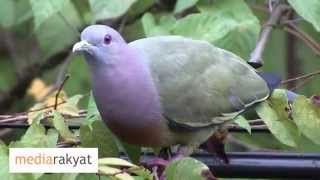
{"type": "Point", "coordinates": [200, 84]}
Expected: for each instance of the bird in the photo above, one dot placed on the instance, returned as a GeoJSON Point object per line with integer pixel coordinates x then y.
{"type": "Point", "coordinates": [167, 90]}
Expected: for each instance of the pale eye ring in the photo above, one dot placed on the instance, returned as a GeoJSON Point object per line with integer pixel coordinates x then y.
{"type": "Point", "coordinates": [107, 39]}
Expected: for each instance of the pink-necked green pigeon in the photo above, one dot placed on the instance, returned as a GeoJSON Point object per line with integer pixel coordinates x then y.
{"type": "Point", "coordinates": [166, 90]}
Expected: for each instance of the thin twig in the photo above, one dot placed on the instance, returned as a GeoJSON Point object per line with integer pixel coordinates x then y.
{"type": "Point", "coordinates": [47, 107]}
{"type": "Point", "coordinates": [59, 90]}
{"type": "Point", "coordinates": [60, 77]}
{"type": "Point", "coordinates": [302, 77]}
{"type": "Point", "coordinates": [259, 8]}
{"type": "Point", "coordinates": [10, 43]}
{"type": "Point", "coordinates": [255, 121]}
{"type": "Point", "coordinates": [123, 23]}
{"type": "Point", "coordinates": [271, 4]}
{"type": "Point", "coordinates": [308, 40]}
{"type": "Point", "coordinates": [12, 119]}
{"type": "Point", "coordinates": [290, 21]}
{"type": "Point", "coordinates": [256, 56]}
{"type": "Point", "coordinates": [68, 144]}
{"type": "Point", "coordinates": [259, 126]}
{"type": "Point", "coordinates": [299, 85]}
{"type": "Point", "coordinates": [18, 90]}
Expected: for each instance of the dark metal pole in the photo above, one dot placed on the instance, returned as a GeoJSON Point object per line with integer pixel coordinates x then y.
{"type": "Point", "coordinates": [261, 165]}
{"type": "Point", "coordinates": [265, 165]}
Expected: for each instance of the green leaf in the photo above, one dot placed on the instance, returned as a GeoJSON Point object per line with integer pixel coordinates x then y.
{"type": "Point", "coordinates": [243, 122]}
{"type": "Point", "coordinates": [152, 27]}
{"type": "Point", "coordinates": [142, 172]}
{"type": "Point", "coordinates": [93, 113]}
{"type": "Point", "coordinates": [36, 136]}
{"type": "Point", "coordinates": [84, 176]}
{"type": "Point", "coordinates": [110, 9]}
{"type": "Point", "coordinates": [182, 5]}
{"type": "Point", "coordinates": [282, 129]}
{"type": "Point", "coordinates": [66, 176]}
{"type": "Point", "coordinates": [7, 13]}
{"type": "Point", "coordinates": [44, 9]}
{"type": "Point", "coordinates": [228, 24]}
{"type": "Point", "coordinates": [109, 161]}
{"type": "Point", "coordinates": [36, 116]}
{"type": "Point", "coordinates": [306, 115]}
{"type": "Point", "coordinates": [115, 172]}
{"type": "Point", "coordinates": [99, 136]}
{"type": "Point", "coordinates": [258, 141]}
{"type": "Point", "coordinates": [186, 168]}
{"type": "Point", "coordinates": [4, 161]}
{"type": "Point", "coordinates": [4, 164]}
{"type": "Point", "coordinates": [61, 126]}
{"type": "Point", "coordinates": [309, 10]}
{"type": "Point", "coordinates": [4, 170]}
{"type": "Point", "coordinates": [59, 30]}
{"type": "Point", "coordinates": [71, 106]}
{"type": "Point", "coordinates": [132, 151]}
{"type": "Point", "coordinates": [139, 7]}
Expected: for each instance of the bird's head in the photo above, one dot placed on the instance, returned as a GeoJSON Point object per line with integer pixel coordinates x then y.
{"type": "Point", "coordinates": [99, 43]}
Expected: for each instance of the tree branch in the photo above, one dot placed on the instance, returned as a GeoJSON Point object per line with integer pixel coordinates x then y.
{"type": "Point", "coordinates": [308, 40]}
{"type": "Point", "coordinates": [18, 90]}
{"type": "Point", "coordinates": [302, 77]}
{"type": "Point", "coordinates": [256, 56]}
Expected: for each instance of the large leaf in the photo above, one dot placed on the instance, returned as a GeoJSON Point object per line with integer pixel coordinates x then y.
{"type": "Point", "coordinates": [84, 176]}
{"type": "Point", "coordinates": [187, 168]}
{"type": "Point", "coordinates": [309, 10]}
{"type": "Point", "coordinates": [274, 114]}
{"type": "Point", "coordinates": [7, 13]}
{"type": "Point", "coordinates": [93, 113]}
{"type": "Point", "coordinates": [109, 9]}
{"type": "Point", "coordinates": [44, 9]}
{"type": "Point", "coordinates": [157, 27]}
{"type": "Point", "coordinates": [4, 170]}
{"type": "Point", "coordinates": [58, 31]}
{"type": "Point", "coordinates": [132, 151]}
{"type": "Point", "coordinates": [61, 126]}
{"type": "Point", "coordinates": [243, 122]}
{"type": "Point", "coordinates": [65, 176]}
{"type": "Point", "coordinates": [71, 106]}
{"type": "Point", "coordinates": [228, 24]}
{"type": "Point", "coordinates": [36, 136]}
{"type": "Point", "coordinates": [139, 7]}
{"type": "Point", "coordinates": [115, 172]}
{"type": "Point", "coordinates": [4, 161]}
{"type": "Point", "coordinates": [306, 114]}
{"type": "Point", "coordinates": [99, 136]}
{"type": "Point", "coordinates": [182, 5]}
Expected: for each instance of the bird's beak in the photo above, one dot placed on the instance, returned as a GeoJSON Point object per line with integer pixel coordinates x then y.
{"type": "Point", "coordinates": [81, 46]}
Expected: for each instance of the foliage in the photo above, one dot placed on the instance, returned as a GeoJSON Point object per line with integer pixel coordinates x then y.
{"type": "Point", "coordinates": [196, 170]}
{"type": "Point", "coordinates": [48, 27]}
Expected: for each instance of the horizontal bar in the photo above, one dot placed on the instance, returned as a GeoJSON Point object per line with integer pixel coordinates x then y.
{"type": "Point", "coordinates": [264, 165]}
{"type": "Point", "coordinates": [25, 126]}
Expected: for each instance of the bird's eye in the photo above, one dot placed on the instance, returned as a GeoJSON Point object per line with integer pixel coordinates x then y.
{"type": "Point", "coordinates": [107, 39]}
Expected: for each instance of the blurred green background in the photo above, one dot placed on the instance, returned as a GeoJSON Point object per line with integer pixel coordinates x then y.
{"type": "Point", "coordinates": [36, 37]}
{"type": "Point", "coordinates": [32, 31]}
